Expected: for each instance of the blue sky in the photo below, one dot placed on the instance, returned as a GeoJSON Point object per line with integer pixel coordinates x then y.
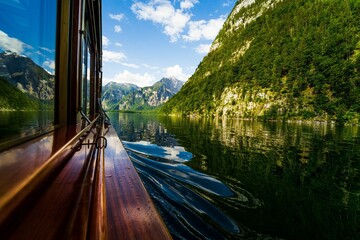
{"type": "Point", "coordinates": [27, 28]}
{"type": "Point", "coordinates": [145, 40]}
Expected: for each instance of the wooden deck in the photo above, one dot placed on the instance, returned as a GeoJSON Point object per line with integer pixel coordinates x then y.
{"type": "Point", "coordinates": [50, 191]}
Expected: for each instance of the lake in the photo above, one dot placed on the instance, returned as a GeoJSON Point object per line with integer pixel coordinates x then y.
{"type": "Point", "coordinates": [231, 179]}
{"type": "Point", "coordinates": [17, 125]}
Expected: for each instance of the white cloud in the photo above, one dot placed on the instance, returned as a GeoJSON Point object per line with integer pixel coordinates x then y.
{"type": "Point", "coordinates": [105, 41]}
{"type": "Point", "coordinates": [187, 4]}
{"type": "Point", "coordinates": [150, 67]}
{"type": "Point", "coordinates": [117, 28]}
{"type": "Point", "coordinates": [203, 48]}
{"type": "Point", "coordinates": [117, 17]}
{"type": "Point", "coordinates": [39, 53]}
{"type": "Point", "coordinates": [12, 44]}
{"type": "Point", "coordinates": [112, 56]}
{"type": "Point", "coordinates": [117, 57]}
{"type": "Point", "coordinates": [177, 72]}
{"type": "Point", "coordinates": [141, 80]}
{"type": "Point", "coordinates": [50, 64]}
{"type": "Point", "coordinates": [118, 44]}
{"type": "Point", "coordinates": [46, 49]}
{"type": "Point", "coordinates": [204, 29]}
{"type": "Point", "coordinates": [228, 3]}
{"type": "Point", "coordinates": [130, 65]}
{"type": "Point", "coordinates": [162, 12]}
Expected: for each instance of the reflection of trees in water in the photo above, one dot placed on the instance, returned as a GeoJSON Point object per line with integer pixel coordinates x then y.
{"type": "Point", "coordinates": [303, 150]}
{"type": "Point", "coordinates": [291, 180]}
{"type": "Point", "coordinates": [137, 127]}
{"type": "Point", "coordinates": [20, 124]}
{"type": "Point", "coordinates": [307, 174]}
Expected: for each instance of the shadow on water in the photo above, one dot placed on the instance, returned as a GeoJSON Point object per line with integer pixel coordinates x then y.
{"type": "Point", "coordinates": [231, 179]}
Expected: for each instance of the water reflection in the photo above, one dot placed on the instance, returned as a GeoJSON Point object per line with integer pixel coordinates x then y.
{"type": "Point", "coordinates": [160, 153]}
{"type": "Point", "coordinates": [294, 181]}
{"type": "Point", "coordinates": [20, 124]}
{"type": "Point", "coordinates": [177, 171]}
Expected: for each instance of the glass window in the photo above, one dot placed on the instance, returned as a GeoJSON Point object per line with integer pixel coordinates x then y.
{"type": "Point", "coordinates": [27, 68]}
{"type": "Point", "coordinates": [85, 81]}
{"type": "Point", "coordinates": [85, 78]}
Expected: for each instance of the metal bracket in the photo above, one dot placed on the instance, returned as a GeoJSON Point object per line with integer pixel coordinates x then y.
{"type": "Point", "coordinates": [98, 143]}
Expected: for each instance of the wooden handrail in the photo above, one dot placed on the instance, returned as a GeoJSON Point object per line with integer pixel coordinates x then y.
{"type": "Point", "coordinates": [15, 196]}
{"type": "Point", "coordinates": [98, 224]}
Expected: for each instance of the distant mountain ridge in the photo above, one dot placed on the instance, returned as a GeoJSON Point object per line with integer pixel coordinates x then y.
{"type": "Point", "coordinates": [280, 59]}
{"type": "Point", "coordinates": [125, 96]}
{"type": "Point", "coordinates": [113, 92]}
{"type": "Point", "coordinates": [27, 84]}
{"type": "Point", "coordinates": [26, 75]}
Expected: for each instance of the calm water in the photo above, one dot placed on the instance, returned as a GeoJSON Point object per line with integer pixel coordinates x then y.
{"type": "Point", "coordinates": [238, 179]}
{"type": "Point", "coordinates": [19, 124]}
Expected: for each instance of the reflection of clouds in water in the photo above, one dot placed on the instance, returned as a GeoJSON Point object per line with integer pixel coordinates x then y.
{"type": "Point", "coordinates": [114, 138]}
{"type": "Point", "coordinates": [176, 153]}
{"type": "Point", "coordinates": [43, 150]}
{"type": "Point", "coordinates": [176, 187]}
{"type": "Point", "coordinates": [270, 167]}
{"type": "Point", "coordinates": [137, 128]}
{"type": "Point", "coordinates": [182, 173]}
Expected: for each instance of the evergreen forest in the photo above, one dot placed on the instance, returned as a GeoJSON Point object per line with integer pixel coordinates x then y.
{"type": "Point", "coordinates": [280, 60]}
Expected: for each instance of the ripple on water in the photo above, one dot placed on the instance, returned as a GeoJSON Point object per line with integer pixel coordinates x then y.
{"type": "Point", "coordinates": [172, 185]}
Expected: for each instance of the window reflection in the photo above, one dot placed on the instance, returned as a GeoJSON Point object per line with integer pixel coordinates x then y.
{"type": "Point", "coordinates": [85, 83]}
{"type": "Point", "coordinates": [27, 67]}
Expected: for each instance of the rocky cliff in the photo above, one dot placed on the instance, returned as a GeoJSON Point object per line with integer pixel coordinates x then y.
{"type": "Point", "coordinates": [25, 75]}
{"type": "Point", "coordinates": [280, 59]}
{"type": "Point", "coordinates": [123, 96]}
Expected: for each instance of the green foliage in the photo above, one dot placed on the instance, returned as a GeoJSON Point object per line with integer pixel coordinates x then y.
{"type": "Point", "coordinates": [290, 48]}
{"type": "Point", "coordinates": [12, 98]}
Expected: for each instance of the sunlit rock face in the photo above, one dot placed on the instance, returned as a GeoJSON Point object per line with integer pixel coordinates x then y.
{"type": "Point", "coordinates": [21, 72]}
{"type": "Point", "coordinates": [113, 92]}
{"type": "Point", "coordinates": [120, 96]}
{"type": "Point", "coordinates": [279, 60]}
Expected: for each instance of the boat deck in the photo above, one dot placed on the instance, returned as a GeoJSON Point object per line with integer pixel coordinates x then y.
{"type": "Point", "coordinates": [48, 190]}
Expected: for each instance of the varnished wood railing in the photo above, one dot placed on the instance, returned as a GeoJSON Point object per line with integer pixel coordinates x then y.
{"type": "Point", "coordinates": [98, 224]}
{"type": "Point", "coordinates": [70, 194]}
{"type": "Point", "coordinates": [16, 195]}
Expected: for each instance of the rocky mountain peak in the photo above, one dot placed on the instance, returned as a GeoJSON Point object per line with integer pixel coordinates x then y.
{"type": "Point", "coordinates": [23, 73]}
{"type": "Point", "coordinates": [126, 96]}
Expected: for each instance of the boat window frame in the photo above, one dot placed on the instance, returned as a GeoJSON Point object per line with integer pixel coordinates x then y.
{"type": "Point", "coordinates": [18, 139]}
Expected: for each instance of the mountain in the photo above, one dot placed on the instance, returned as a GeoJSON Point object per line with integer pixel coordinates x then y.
{"type": "Point", "coordinates": [12, 98]}
{"type": "Point", "coordinates": [113, 92]}
{"type": "Point", "coordinates": [280, 59]}
{"type": "Point", "coordinates": [24, 84]}
{"type": "Point", "coordinates": [123, 96]}
{"type": "Point", "coordinates": [27, 76]}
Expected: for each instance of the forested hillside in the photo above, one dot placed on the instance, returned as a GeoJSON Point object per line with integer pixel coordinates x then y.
{"type": "Point", "coordinates": [12, 98]}
{"type": "Point", "coordinates": [278, 59]}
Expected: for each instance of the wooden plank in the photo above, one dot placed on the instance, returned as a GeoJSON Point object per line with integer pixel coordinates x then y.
{"type": "Point", "coordinates": [130, 211]}
{"type": "Point", "coordinates": [50, 212]}
{"type": "Point", "coordinates": [47, 210]}
{"type": "Point", "coordinates": [61, 207]}
{"type": "Point", "coordinates": [98, 223]}
{"type": "Point", "coordinates": [26, 167]}
{"type": "Point", "coordinates": [18, 193]}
